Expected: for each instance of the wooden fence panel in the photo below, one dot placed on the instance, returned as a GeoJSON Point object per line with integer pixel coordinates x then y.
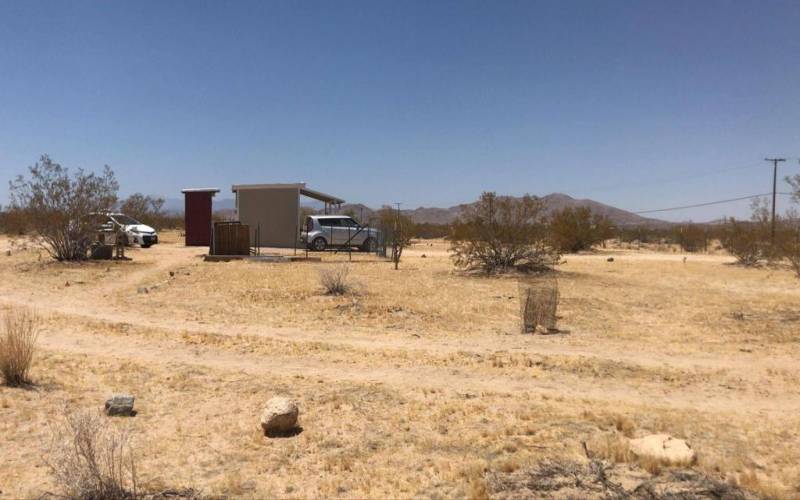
{"type": "Point", "coordinates": [231, 239]}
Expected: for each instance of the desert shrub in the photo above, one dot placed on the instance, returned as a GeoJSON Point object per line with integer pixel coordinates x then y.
{"type": "Point", "coordinates": [55, 206]}
{"type": "Point", "coordinates": [499, 234]}
{"type": "Point", "coordinates": [691, 237]}
{"type": "Point", "coordinates": [644, 234]}
{"type": "Point", "coordinates": [576, 229]}
{"type": "Point", "coordinates": [788, 241]}
{"type": "Point", "coordinates": [90, 459]}
{"type": "Point", "coordinates": [12, 221]}
{"type": "Point", "coordinates": [17, 346]}
{"type": "Point", "coordinates": [428, 230]}
{"type": "Point", "coordinates": [335, 280]}
{"type": "Point", "coordinates": [746, 241]}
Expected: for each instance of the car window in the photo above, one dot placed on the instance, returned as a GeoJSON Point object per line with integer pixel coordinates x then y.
{"type": "Point", "coordinates": [330, 222]}
{"type": "Point", "coordinates": [125, 220]}
{"type": "Point", "coordinates": [350, 222]}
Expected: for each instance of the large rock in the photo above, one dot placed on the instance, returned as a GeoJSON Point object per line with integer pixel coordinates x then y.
{"type": "Point", "coordinates": [279, 416]}
{"type": "Point", "coordinates": [120, 404]}
{"type": "Point", "coordinates": [663, 448]}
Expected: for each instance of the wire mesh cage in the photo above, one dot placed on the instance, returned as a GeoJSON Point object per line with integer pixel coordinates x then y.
{"type": "Point", "coordinates": [538, 303]}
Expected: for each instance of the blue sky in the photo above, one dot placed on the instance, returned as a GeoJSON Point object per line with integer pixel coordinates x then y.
{"type": "Point", "coordinates": [637, 104]}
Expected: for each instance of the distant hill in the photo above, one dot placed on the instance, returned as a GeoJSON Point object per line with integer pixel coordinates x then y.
{"type": "Point", "coordinates": [435, 215]}
{"type": "Point", "coordinates": [554, 202]}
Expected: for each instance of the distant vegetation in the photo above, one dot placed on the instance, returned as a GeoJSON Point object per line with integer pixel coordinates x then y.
{"type": "Point", "coordinates": [149, 210]}
{"type": "Point", "coordinates": [576, 229]}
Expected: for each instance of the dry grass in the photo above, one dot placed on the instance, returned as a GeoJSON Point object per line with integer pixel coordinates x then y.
{"type": "Point", "coordinates": [17, 346]}
{"type": "Point", "coordinates": [334, 279]}
{"type": "Point", "coordinates": [90, 459]}
{"type": "Point", "coordinates": [418, 387]}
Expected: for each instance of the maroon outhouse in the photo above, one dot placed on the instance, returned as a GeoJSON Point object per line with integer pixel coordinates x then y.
{"type": "Point", "coordinates": [197, 215]}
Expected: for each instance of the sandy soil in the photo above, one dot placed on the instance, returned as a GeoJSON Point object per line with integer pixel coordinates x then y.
{"type": "Point", "coordinates": [416, 383]}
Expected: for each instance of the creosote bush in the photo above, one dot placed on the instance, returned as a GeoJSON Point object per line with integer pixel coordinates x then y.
{"type": "Point", "coordinates": [746, 241]}
{"type": "Point", "coordinates": [692, 237]}
{"type": "Point", "coordinates": [90, 459]}
{"type": "Point", "coordinates": [17, 346]}
{"type": "Point", "coordinates": [499, 234]}
{"type": "Point", "coordinates": [335, 280]}
{"type": "Point", "coordinates": [789, 242]}
{"type": "Point", "coordinates": [576, 229]}
{"type": "Point", "coordinates": [55, 206]}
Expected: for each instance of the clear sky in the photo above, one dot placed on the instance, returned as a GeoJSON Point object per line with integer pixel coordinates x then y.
{"type": "Point", "coordinates": [639, 104]}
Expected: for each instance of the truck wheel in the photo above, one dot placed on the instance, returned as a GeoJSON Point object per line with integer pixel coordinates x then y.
{"type": "Point", "coordinates": [319, 244]}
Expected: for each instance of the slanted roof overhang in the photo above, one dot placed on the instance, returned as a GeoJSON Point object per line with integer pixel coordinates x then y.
{"type": "Point", "coordinates": [317, 195]}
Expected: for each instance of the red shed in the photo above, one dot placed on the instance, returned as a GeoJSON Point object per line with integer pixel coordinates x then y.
{"type": "Point", "coordinates": [197, 215]}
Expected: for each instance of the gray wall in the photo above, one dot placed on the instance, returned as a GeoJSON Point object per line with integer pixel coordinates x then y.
{"type": "Point", "coordinates": [277, 211]}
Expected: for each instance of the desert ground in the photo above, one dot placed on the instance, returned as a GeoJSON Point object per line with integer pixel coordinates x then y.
{"type": "Point", "coordinates": [416, 384]}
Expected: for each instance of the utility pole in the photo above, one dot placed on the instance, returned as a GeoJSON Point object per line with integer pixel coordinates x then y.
{"type": "Point", "coordinates": [774, 193]}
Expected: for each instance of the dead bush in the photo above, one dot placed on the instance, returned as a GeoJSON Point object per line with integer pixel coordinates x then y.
{"type": "Point", "coordinates": [602, 479]}
{"type": "Point", "coordinates": [17, 346]}
{"type": "Point", "coordinates": [499, 234]}
{"type": "Point", "coordinates": [335, 280]}
{"type": "Point", "coordinates": [90, 459]}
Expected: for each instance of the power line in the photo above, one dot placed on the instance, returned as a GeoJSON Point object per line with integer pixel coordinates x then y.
{"type": "Point", "coordinates": [718, 202]}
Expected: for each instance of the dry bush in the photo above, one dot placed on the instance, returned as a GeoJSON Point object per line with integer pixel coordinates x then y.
{"type": "Point", "coordinates": [788, 241]}
{"type": "Point", "coordinates": [17, 346]}
{"type": "Point", "coordinates": [335, 280]}
{"type": "Point", "coordinates": [55, 206]}
{"type": "Point", "coordinates": [538, 303]}
{"type": "Point", "coordinates": [692, 237]}
{"type": "Point", "coordinates": [498, 234]}
{"type": "Point", "coordinates": [90, 459]}
{"type": "Point", "coordinates": [613, 447]}
{"type": "Point", "coordinates": [576, 229]}
{"type": "Point", "coordinates": [747, 241]}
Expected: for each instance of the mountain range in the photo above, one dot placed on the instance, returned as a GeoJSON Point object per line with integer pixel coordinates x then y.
{"type": "Point", "coordinates": [434, 215]}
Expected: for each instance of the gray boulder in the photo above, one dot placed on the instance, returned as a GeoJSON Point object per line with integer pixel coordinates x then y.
{"type": "Point", "coordinates": [120, 405]}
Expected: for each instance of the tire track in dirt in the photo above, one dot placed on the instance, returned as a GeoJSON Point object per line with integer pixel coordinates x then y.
{"type": "Point", "coordinates": [570, 389]}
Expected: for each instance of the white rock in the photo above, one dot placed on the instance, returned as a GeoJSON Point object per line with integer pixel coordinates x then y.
{"type": "Point", "coordinates": [279, 416]}
{"type": "Point", "coordinates": [664, 448]}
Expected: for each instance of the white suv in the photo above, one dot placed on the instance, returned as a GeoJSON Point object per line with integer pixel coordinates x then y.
{"type": "Point", "coordinates": [323, 231]}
